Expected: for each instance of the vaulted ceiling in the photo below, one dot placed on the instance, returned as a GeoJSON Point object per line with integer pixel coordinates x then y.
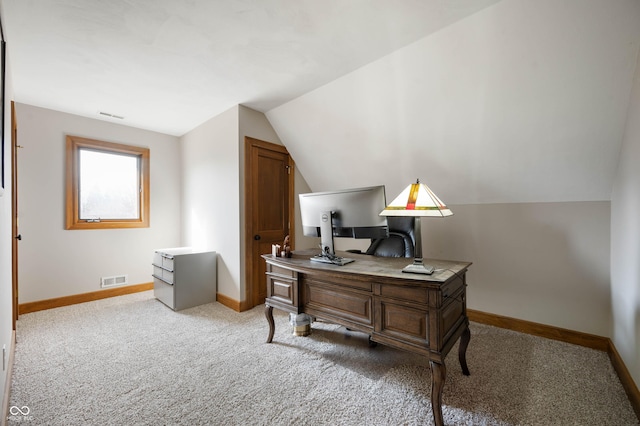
{"type": "Point", "coordinates": [486, 101]}
{"type": "Point", "coordinates": [169, 65]}
{"type": "Point", "coordinates": [525, 101]}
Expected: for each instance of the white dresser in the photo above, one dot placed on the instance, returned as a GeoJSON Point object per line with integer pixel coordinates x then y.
{"type": "Point", "coordinates": [183, 277]}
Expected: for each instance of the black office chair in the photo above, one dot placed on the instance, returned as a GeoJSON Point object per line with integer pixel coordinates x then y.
{"type": "Point", "coordinates": [401, 241]}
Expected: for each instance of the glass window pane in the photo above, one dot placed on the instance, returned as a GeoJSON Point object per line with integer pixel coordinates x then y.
{"type": "Point", "coordinates": [108, 185]}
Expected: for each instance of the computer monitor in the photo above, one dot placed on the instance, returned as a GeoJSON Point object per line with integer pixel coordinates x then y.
{"type": "Point", "coordinates": [351, 213]}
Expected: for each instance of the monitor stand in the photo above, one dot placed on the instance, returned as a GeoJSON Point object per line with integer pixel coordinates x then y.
{"type": "Point", "coordinates": [326, 242]}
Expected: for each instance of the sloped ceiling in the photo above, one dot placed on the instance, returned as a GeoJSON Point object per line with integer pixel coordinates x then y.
{"type": "Point", "coordinates": [486, 101]}
{"type": "Point", "coordinates": [170, 65]}
{"type": "Point", "coordinates": [524, 101]}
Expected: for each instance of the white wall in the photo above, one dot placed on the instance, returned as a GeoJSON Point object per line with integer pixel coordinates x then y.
{"type": "Point", "coordinates": [524, 101]}
{"type": "Point", "coordinates": [541, 262]}
{"type": "Point", "coordinates": [213, 190]}
{"type": "Point", "coordinates": [55, 262]}
{"type": "Point", "coordinates": [625, 241]}
{"type": "Point", "coordinates": [211, 195]}
{"type": "Point", "coordinates": [6, 293]}
{"type": "Point", "coordinates": [514, 117]}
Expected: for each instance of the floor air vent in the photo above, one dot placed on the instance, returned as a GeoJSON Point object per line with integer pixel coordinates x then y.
{"type": "Point", "coordinates": [113, 281]}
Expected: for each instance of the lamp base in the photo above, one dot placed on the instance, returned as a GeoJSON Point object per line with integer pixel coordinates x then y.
{"type": "Point", "coordinates": [419, 268]}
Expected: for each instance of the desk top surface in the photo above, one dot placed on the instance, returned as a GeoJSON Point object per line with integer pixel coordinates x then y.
{"type": "Point", "coordinates": [387, 267]}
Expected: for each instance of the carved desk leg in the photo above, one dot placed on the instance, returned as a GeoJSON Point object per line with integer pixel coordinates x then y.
{"type": "Point", "coordinates": [462, 350]}
{"type": "Point", "coordinates": [438, 376]}
{"type": "Point", "coordinates": [268, 312]}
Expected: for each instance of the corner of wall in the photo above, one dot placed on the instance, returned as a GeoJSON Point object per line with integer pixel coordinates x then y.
{"type": "Point", "coordinates": [625, 240]}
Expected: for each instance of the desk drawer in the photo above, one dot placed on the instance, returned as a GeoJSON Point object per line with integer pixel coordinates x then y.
{"type": "Point", "coordinates": [418, 295]}
{"type": "Point", "coordinates": [282, 289]}
{"type": "Point", "coordinates": [283, 272]}
{"type": "Point", "coordinates": [453, 286]}
{"type": "Point", "coordinates": [336, 301]}
{"type": "Point", "coordinates": [404, 322]}
{"type": "Point", "coordinates": [453, 312]}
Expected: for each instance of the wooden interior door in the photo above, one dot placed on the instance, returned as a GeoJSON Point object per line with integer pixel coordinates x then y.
{"type": "Point", "coordinates": [269, 208]}
{"type": "Point", "coordinates": [14, 213]}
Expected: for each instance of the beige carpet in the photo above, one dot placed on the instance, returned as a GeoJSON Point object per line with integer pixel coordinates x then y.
{"type": "Point", "coordinates": [132, 361]}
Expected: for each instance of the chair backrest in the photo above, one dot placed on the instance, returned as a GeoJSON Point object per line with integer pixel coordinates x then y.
{"type": "Point", "coordinates": [401, 241]}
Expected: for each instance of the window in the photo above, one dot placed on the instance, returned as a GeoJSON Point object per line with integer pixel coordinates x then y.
{"type": "Point", "coordinates": [107, 185]}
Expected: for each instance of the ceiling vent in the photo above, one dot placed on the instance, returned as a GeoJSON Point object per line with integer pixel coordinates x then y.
{"type": "Point", "coordinates": [106, 114]}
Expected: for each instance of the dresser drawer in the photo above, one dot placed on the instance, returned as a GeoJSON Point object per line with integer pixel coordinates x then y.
{"type": "Point", "coordinates": [167, 263]}
{"type": "Point", "coordinates": [164, 292]}
{"type": "Point", "coordinates": [163, 274]}
{"type": "Point", "coordinates": [163, 260]}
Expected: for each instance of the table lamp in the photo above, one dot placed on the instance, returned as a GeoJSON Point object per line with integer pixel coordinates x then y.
{"type": "Point", "coordinates": [417, 200]}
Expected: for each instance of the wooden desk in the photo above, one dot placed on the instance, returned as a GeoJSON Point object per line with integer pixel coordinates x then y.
{"type": "Point", "coordinates": [425, 314]}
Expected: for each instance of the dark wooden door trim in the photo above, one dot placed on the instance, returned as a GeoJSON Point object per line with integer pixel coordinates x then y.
{"type": "Point", "coordinates": [251, 289]}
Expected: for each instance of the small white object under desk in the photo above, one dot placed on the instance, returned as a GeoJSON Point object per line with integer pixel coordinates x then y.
{"type": "Point", "coordinates": [184, 277]}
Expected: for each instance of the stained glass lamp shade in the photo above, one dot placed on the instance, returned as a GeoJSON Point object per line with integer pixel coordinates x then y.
{"type": "Point", "coordinates": [417, 200]}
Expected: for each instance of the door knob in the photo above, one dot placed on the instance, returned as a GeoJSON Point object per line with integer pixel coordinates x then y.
{"type": "Point", "coordinates": [19, 237]}
{"type": "Point", "coordinates": [256, 237]}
